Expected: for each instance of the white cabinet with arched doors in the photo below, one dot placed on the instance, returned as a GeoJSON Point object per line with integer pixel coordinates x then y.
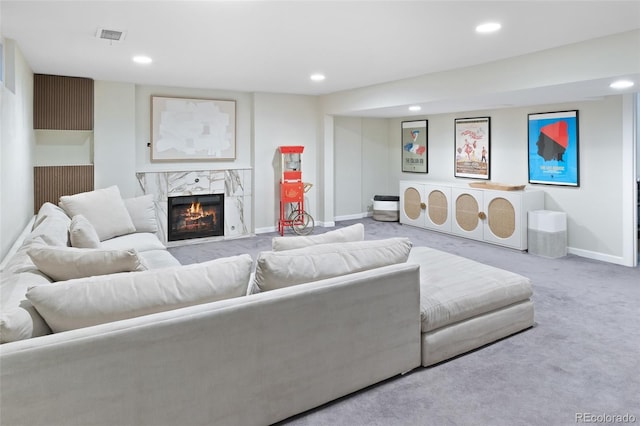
{"type": "Point", "coordinates": [425, 205]}
{"type": "Point", "coordinates": [495, 216]}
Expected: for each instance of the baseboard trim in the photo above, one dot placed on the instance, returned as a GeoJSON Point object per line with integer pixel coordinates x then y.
{"type": "Point", "coordinates": [328, 224]}
{"type": "Point", "coordinates": [598, 256]}
{"type": "Point", "coordinates": [352, 216]}
{"type": "Point", "coordinates": [267, 229]}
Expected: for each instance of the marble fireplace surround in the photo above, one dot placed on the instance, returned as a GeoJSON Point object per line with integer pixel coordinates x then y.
{"type": "Point", "coordinates": [235, 184]}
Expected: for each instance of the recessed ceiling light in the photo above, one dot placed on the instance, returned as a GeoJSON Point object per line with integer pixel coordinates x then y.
{"type": "Point", "coordinates": [488, 27]}
{"type": "Point", "coordinates": [141, 59]}
{"type": "Point", "coordinates": [414, 108]}
{"type": "Point", "coordinates": [621, 84]}
{"type": "Point", "coordinates": [317, 77]}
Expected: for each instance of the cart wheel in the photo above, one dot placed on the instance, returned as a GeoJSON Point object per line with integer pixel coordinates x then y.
{"type": "Point", "coordinates": [302, 222]}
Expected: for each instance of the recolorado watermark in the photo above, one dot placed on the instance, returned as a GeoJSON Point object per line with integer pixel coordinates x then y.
{"type": "Point", "coordinates": [605, 418]}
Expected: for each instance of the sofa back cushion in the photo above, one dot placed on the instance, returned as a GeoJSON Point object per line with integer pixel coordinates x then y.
{"type": "Point", "coordinates": [104, 208]}
{"type": "Point", "coordinates": [18, 318]}
{"type": "Point", "coordinates": [66, 263]}
{"type": "Point", "coordinates": [143, 213]}
{"type": "Point", "coordinates": [279, 269]}
{"type": "Point", "coordinates": [342, 235]}
{"type": "Point", "coordinates": [51, 225]}
{"type": "Point", "coordinates": [84, 302]}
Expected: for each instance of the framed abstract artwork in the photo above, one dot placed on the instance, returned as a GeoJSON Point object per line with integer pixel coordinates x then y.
{"type": "Point", "coordinates": [472, 147]}
{"type": "Point", "coordinates": [415, 153]}
{"type": "Point", "coordinates": [192, 129]}
{"type": "Point", "coordinates": [553, 148]}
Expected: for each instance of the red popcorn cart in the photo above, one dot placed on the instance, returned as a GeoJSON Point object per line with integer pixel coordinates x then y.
{"type": "Point", "coordinates": [292, 191]}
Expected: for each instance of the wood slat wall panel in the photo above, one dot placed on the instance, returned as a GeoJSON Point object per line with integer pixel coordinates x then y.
{"type": "Point", "coordinates": [62, 103]}
{"type": "Point", "coordinates": [51, 182]}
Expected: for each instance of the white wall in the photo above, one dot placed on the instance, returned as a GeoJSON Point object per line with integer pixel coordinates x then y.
{"type": "Point", "coordinates": [114, 136]}
{"type": "Point", "coordinates": [244, 120]}
{"type": "Point", "coordinates": [122, 128]}
{"type": "Point", "coordinates": [263, 122]}
{"type": "Point", "coordinates": [594, 223]}
{"type": "Point", "coordinates": [361, 165]}
{"type": "Point", "coordinates": [17, 146]}
{"type": "Point", "coordinates": [519, 78]}
{"type": "Point", "coordinates": [637, 136]}
{"type": "Point", "coordinates": [348, 191]}
{"type": "Point", "coordinates": [266, 121]}
{"type": "Point", "coordinates": [283, 120]}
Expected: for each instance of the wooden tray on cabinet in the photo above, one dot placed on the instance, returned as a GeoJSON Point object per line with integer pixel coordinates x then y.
{"type": "Point", "coordinates": [498, 186]}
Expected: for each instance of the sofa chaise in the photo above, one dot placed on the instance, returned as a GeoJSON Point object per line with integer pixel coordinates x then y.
{"type": "Point", "coordinates": [229, 341]}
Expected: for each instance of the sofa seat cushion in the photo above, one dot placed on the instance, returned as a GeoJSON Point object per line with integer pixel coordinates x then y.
{"type": "Point", "coordinates": [278, 269]}
{"type": "Point", "coordinates": [141, 241]}
{"type": "Point", "coordinates": [84, 302]}
{"type": "Point", "coordinates": [454, 288]}
{"type": "Point", "coordinates": [156, 259]}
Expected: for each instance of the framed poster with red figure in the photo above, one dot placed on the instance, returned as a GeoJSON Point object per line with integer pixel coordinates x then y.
{"type": "Point", "coordinates": [553, 148]}
{"type": "Point", "coordinates": [473, 147]}
{"type": "Point", "coordinates": [414, 146]}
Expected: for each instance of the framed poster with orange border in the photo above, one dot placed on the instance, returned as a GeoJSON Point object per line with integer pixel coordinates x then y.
{"type": "Point", "coordinates": [473, 147]}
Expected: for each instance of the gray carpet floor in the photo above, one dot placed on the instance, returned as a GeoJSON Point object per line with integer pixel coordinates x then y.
{"type": "Point", "coordinates": [582, 357]}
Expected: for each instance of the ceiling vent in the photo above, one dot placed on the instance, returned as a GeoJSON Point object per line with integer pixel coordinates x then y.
{"type": "Point", "coordinates": [111, 35]}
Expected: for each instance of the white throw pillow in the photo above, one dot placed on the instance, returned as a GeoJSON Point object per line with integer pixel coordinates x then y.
{"type": "Point", "coordinates": [65, 263]}
{"type": "Point", "coordinates": [279, 269]}
{"type": "Point", "coordinates": [142, 212]}
{"type": "Point", "coordinates": [89, 301]}
{"type": "Point", "coordinates": [82, 234]}
{"type": "Point", "coordinates": [104, 208]}
{"type": "Point", "coordinates": [342, 235]}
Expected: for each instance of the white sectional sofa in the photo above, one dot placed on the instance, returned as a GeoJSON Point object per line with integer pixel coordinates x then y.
{"type": "Point", "coordinates": [156, 343]}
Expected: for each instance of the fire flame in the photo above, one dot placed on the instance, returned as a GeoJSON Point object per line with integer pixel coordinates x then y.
{"type": "Point", "coordinates": [195, 210]}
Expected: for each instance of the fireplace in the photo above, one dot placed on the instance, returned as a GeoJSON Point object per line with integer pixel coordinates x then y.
{"type": "Point", "coordinates": [195, 216]}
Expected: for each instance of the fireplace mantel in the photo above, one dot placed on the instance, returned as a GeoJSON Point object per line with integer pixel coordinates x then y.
{"type": "Point", "coordinates": [235, 184]}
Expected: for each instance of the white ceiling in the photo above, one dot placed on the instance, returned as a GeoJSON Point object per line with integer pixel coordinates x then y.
{"type": "Point", "coordinates": [274, 46]}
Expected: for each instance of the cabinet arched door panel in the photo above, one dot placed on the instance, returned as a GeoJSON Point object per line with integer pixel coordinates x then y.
{"type": "Point", "coordinates": [468, 212]}
{"type": "Point", "coordinates": [504, 223]}
{"type": "Point", "coordinates": [438, 210]}
{"type": "Point", "coordinates": [412, 210]}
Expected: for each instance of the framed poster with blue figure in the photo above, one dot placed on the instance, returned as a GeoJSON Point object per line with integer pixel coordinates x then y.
{"type": "Point", "coordinates": [553, 148]}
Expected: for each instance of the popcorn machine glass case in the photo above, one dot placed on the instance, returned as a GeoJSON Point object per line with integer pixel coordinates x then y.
{"type": "Point", "coordinates": [292, 191]}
